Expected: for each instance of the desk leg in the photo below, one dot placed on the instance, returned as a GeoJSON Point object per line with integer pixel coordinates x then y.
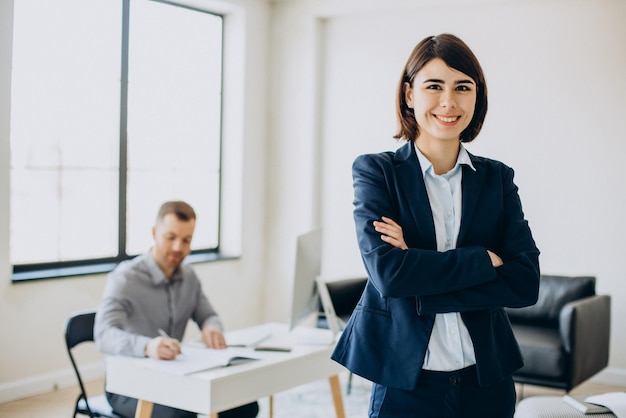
{"type": "Point", "coordinates": [144, 409]}
{"type": "Point", "coordinates": [335, 388]}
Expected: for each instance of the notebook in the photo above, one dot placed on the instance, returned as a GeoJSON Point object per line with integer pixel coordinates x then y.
{"type": "Point", "coordinates": [578, 402]}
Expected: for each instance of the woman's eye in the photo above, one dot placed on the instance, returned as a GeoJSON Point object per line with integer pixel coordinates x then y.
{"type": "Point", "coordinates": [433, 87]}
{"type": "Point", "coordinates": [463, 88]}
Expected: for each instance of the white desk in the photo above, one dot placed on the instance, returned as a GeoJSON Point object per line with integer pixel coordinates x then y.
{"type": "Point", "coordinates": [215, 390]}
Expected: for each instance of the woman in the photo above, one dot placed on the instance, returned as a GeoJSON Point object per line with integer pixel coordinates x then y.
{"type": "Point", "coordinates": [446, 247]}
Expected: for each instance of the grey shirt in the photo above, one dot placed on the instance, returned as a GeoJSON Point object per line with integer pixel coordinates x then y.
{"type": "Point", "coordinates": [139, 300]}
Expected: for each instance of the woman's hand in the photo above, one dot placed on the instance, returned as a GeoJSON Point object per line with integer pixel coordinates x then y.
{"type": "Point", "coordinates": [391, 232]}
{"type": "Point", "coordinates": [496, 261]}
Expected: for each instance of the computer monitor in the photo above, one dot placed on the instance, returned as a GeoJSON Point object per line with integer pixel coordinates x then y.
{"type": "Point", "coordinates": [305, 299]}
{"type": "Point", "coordinates": [305, 296]}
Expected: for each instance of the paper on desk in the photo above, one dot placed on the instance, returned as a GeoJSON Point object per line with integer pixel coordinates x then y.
{"type": "Point", "coordinates": [615, 401]}
{"type": "Point", "coordinates": [195, 359]}
{"type": "Point", "coordinates": [249, 337]}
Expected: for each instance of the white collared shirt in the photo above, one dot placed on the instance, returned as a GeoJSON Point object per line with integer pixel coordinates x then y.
{"type": "Point", "coordinates": [450, 346]}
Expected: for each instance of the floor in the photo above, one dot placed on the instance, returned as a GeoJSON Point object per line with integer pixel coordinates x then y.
{"type": "Point", "coordinates": [311, 401]}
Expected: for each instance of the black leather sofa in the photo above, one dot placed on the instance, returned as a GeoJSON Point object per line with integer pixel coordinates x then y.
{"type": "Point", "coordinates": [564, 337]}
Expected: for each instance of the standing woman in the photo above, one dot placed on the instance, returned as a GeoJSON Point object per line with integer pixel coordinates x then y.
{"type": "Point", "coordinates": [446, 247]}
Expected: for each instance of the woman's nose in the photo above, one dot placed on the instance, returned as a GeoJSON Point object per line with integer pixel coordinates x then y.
{"type": "Point", "coordinates": [447, 100]}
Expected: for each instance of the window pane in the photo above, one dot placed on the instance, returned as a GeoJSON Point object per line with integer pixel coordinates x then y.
{"type": "Point", "coordinates": [174, 102]}
{"type": "Point", "coordinates": [65, 130]}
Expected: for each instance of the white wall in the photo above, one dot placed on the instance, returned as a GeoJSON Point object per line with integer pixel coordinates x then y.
{"type": "Point", "coordinates": [32, 353]}
{"type": "Point", "coordinates": [554, 71]}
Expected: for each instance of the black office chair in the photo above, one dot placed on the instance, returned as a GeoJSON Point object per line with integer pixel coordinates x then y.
{"type": "Point", "coordinates": [344, 296]}
{"type": "Point", "coordinates": [79, 329]}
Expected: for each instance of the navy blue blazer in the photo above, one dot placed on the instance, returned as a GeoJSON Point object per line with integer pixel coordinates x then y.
{"type": "Point", "coordinates": [386, 338]}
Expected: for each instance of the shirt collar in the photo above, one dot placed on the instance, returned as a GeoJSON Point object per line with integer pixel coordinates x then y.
{"type": "Point", "coordinates": [156, 273]}
{"type": "Point", "coordinates": [462, 158]}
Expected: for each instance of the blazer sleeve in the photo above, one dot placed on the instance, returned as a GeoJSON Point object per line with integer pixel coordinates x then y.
{"type": "Point", "coordinates": [517, 281]}
{"type": "Point", "coordinates": [458, 280]}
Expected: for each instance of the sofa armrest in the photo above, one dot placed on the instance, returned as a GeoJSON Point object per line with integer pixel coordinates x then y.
{"type": "Point", "coordinates": [585, 327]}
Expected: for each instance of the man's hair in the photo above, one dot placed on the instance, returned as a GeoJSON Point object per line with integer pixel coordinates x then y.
{"type": "Point", "coordinates": [456, 54]}
{"type": "Point", "coordinates": [182, 210]}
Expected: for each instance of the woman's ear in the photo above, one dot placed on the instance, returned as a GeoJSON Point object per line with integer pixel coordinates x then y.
{"type": "Point", "coordinates": [408, 94]}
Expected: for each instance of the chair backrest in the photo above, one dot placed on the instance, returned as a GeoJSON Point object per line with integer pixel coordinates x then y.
{"type": "Point", "coordinates": [345, 294]}
{"type": "Point", "coordinates": [554, 293]}
{"type": "Point", "coordinates": [338, 298]}
{"type": "Point", "coordinates": [79, 329]}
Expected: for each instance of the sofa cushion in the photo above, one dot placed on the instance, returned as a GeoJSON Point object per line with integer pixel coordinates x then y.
{"type": "Point", "coordinates": [541, 351]}
{"type": "Point", "coordinates": [554, 293]}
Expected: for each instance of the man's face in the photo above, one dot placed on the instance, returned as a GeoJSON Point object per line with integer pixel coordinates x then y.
{"type": "Point", "coordinates": [172, 242]}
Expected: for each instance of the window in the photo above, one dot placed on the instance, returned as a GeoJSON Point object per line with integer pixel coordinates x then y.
{"type": "Point", "coordinates": [116, 107]}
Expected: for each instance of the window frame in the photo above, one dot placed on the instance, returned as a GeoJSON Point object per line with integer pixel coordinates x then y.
{"type": "Point", "coordinates": [28, 272]}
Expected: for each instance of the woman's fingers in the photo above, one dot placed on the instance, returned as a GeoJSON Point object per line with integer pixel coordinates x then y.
{"type": "Point", "coordinates": [391, 232]}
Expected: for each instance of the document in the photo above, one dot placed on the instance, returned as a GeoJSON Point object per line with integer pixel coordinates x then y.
{"type": "Point", "coordinates": [615, 401]}
{"type": "Point", "coordinates": [250, 337]}
{"type": "Point", "coordinates": [278, 337]}
{"type": "Point", "coordinates": [300, 335]}
{"type": "Point", "coordinates": [195, 359]}
{"type": "Point", "coordinates": [578, 402]}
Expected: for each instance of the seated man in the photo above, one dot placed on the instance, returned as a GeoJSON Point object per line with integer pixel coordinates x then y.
{"type": "Point", "coordinates": [148, 301]}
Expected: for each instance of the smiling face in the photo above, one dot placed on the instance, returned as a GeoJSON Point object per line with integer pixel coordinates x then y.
{"type": "Point", "coordinates": [443, 100]}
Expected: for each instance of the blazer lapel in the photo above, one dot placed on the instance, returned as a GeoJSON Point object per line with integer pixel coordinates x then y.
{"type": "Point", "coordinates": [413, 193]}
{"type": "Point", "coordinates": [471, 185]}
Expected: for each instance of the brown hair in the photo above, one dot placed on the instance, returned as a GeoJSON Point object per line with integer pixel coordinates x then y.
{"type": "Point", "coordinates": [182, 210]}
{"type": "Point", "coordinates": [456, 54]}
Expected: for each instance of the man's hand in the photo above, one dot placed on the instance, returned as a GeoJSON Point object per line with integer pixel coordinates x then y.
{"type": "Point", "coordinates": [162, 348]}
{"type": "Point", "coordinates": [213, 337]}
{"type": "Point", "coordinates": [391, 232]}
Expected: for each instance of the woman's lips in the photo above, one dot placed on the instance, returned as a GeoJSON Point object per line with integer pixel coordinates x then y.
{"type": "Point", "coordinates": [447, 120]}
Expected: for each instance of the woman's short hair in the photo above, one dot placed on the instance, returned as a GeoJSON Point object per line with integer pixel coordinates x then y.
{"type": "Point", "coordinates": [457, 55]}
{"type": "Point", "coordinates": [182, 210]}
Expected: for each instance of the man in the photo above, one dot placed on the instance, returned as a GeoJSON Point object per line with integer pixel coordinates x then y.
{"type": "Point", "coordinates": [148, 301]}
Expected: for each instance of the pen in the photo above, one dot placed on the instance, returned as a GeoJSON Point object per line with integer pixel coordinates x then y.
{"type": "Point", "coordinates": [164, 335]}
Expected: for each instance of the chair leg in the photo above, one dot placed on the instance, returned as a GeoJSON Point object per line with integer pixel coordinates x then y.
{"type": "Point", "coordinates": [349, 385]}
